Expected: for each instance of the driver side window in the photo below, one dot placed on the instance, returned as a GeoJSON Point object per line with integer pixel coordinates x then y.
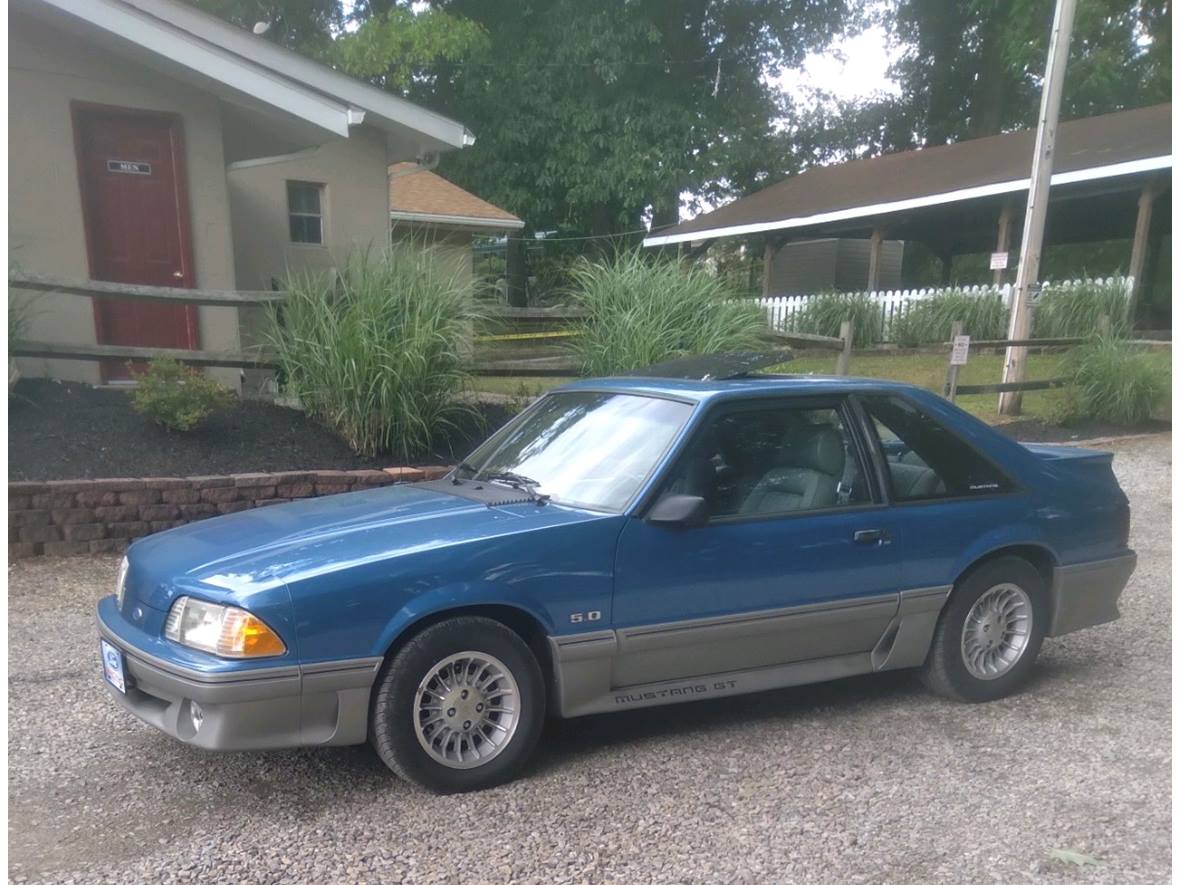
{"type": "Point", "coordinates": [770, 460]}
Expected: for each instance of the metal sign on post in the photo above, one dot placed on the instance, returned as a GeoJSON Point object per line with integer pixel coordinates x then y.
{"type": "Point", "coordinates": [959, 350]}
{"type": "Point", "coordinates": [999, 261]}
{"type": "Point", "coordinates": [960, 344]}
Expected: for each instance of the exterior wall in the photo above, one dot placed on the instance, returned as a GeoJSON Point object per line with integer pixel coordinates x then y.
{"type": "Point", "coordinates": [48, 70]}
{"type": "Point", "coordinates": [454, 245]}
{"type": "Point", "coordinates": [807, 266]}
{"type": "Point", "coordinates": [852, 268]}
{"type": "Point", "coordinates": [356, 208]}
{"type": "Point", "coordinates": [839, 264]}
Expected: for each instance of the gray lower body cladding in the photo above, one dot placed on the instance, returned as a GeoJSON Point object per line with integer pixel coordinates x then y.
{"type": "Point", "coordinates": [687, 660]}
{"type": "Point", "coordinates": [292, 706]}
{"type": "Point", "coordinates": [1087, 593]}
{"type": "Point", "coordinates": [736, 654]}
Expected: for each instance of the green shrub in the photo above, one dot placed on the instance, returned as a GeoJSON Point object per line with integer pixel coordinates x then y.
{"type": "Point", "coordinates": [823, 314]}
{"type": "Point", "coordinates": [378, 355]}
{"type": "Point", "coordinates": [19, 319]}
{"type": "Point", "coordinates": [983, 316]}
{"type": "Point", "coordinates": [1111, 381]}
{"type": "Point", "coordinates": [1074, 311]}
{"type": "Point", "coordinates": [644, 310]}
{"type": "Point", "coordinates": [178, 397]}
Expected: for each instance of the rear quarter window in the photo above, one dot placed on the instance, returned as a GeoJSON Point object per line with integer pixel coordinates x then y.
{"type": "Point", "coordinates": [925, 460]}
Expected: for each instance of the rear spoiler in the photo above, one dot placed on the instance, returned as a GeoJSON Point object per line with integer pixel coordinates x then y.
{"type": "Point", "coordinates": [1048, 452]}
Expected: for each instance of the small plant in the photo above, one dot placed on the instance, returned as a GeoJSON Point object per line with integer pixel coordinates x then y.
{"type": "Point", "coordinates": [1074, 311]}
{"type": "Point", "coordinates": [20, 316]}
{"type": "Point", "coordinates": [379, 354]}
{"type": "Point", "coordinates": [983, 316]}
{"type": "Point", "coordinates": [178, 397]}
{"type": "Point", "coordinates": [823, 314]}
{"type": "Point", "coordinates": [1112, 381]}
{"type": "Point", "coordinates": [645, 310]}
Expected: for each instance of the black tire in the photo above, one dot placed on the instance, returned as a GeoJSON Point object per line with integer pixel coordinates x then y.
{"type": "Point", "coordinates": [945, 672]}
{"type": "Point", "coordinates": [392, 727]}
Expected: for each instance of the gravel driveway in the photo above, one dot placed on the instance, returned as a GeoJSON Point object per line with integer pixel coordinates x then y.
{"type": "Point", "coordinates": [865, 780]}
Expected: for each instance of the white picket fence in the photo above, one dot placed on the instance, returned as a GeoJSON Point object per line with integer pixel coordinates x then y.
{"type": "Point", "coordinates": [781, 310]}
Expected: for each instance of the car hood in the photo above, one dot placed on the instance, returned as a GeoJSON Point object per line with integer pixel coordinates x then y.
{"type": "Point", "coordinates": [261, 548]}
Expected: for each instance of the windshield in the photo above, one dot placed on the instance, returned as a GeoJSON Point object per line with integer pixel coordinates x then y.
{"type": "Point", "coordinates": [582, 448]}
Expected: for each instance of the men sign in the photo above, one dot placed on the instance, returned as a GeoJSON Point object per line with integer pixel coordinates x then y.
{"type": "Point", "coordinates": [129, 167]}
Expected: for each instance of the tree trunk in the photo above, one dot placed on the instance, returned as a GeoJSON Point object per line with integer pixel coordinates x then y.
{"type": "Point", "coordinates": [666, 208]}
{"type": "Point", "coordinates": [517, 272]}
{"type": "Point", "coordinates": [987, 99]}
{"type": "Point", "coordinates": [941, 40]}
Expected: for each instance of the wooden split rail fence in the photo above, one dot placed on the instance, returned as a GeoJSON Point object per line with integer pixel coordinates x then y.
{"type": "Point", "coordinates": [532, 323]}
{"type": "Point", "coordinates": [952, 388]}
{"type": "Point", "coordinates": [125, 291]}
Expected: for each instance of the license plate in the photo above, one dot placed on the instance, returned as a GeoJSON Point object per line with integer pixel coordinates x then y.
{"type": "Point", "coordinates": [112, 666]}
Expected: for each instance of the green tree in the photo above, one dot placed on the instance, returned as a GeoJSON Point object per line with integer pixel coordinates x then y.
{"type": "Point", "coordinates": [393, 46]}
{"type": "Point", "coordinates": [303, 25]}
{"type": "Point", "coordinates": [974, 68]}
{"type": "Point", "coordinates": [590, 115]}
{"type": "Point", "coordinates": [387, 44]}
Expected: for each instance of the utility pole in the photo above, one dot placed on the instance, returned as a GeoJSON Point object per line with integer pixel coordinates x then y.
{"type": "Point", "coordinates": [1020, 320]}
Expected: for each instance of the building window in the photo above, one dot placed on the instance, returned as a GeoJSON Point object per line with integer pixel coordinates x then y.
{"type": "Point", "coordinates": [305, 202]}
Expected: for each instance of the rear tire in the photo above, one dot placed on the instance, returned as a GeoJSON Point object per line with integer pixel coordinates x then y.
{"type": "Point", "coordinates": [989, 633]}
{"type": "Point", "coordinates": [459, 707]}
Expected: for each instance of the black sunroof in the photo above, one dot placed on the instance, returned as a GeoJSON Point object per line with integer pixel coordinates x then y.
{"type": "Point", "coordinates": [713, 366]}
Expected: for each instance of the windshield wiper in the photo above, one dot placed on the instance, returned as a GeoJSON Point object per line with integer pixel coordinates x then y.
{"type": "Point", "coordinates": [462, 466]}
{"type": "Point", "coordinates": [520, 483]}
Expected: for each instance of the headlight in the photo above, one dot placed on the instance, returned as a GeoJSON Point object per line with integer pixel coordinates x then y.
{"type": "Point", "coordinates": [221, 630]}
{"type": "Point", "coordinates": [121, 584]}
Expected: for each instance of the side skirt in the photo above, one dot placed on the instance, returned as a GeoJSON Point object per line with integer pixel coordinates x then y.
{"type": "Point", "coordinates": [584, 664]}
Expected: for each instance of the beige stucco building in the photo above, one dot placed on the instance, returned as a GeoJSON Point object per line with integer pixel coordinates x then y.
{"type": "Point", "coordinates": [362, 202]}
{"type": "Point", "coordinates": [349, 177]}
{"type": "Point", "coordinates": [429, 208]}
{"type": "Point", "coordinates": [132, 127]}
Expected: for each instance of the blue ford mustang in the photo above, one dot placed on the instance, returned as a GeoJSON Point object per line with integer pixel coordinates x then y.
{"type": "Point", "coordinates": [621, 543]}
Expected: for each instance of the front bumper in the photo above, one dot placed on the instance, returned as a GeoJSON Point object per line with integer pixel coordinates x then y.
{"type": "Point", "coordinates": [262, 709]}
{"type": "Point", "coordinates": [1087, 594]}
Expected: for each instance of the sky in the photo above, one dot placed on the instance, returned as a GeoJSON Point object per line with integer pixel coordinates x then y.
{"type": "Point", "coordinates": [855, 67]}
{"type": "Point", "coordinates": [851, 68]}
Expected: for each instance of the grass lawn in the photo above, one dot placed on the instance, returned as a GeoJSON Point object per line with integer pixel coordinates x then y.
{"type": "Point", "coordinates": [924, 370]}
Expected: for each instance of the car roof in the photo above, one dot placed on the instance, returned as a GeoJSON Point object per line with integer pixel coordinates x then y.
{"type": "Point", "coordinates": [747, 385]}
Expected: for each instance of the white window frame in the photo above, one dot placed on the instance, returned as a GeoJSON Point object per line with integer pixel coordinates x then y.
{"type": "Point", "coordinates": [322, 191]}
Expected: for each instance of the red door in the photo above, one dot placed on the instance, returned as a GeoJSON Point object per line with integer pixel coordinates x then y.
{"type": "Point", "coordinates": [131, 170]}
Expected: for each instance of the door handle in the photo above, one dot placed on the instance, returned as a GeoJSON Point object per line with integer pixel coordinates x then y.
{"type": "Point", "coordinates": [871, 536]}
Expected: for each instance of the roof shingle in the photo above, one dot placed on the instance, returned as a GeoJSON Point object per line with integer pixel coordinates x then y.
{"type": "Point", "coordinates": [878, 183]}
{"type": "Point", "coordinates": [417, 194]}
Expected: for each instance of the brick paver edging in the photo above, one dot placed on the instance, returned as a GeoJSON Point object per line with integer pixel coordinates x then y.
{"type": "Point", "coordinates": [72, 516]}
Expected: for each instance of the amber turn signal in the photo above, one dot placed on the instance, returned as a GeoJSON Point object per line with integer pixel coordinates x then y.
{"type": "Point", "coordinates": [221, 630]}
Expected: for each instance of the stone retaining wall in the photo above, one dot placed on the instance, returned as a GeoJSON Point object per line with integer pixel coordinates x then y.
{"type": "Point", "coordinates": [65, 517]}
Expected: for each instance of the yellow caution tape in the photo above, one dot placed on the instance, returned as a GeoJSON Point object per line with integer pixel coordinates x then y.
{"type": "Point", "coordinates": [524, 336]}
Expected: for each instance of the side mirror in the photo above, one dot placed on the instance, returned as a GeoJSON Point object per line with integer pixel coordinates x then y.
{"type": "Point", "coordinates": [679, 510]}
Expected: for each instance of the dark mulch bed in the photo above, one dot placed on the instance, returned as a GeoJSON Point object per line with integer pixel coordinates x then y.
{"type": "Point", "coordinates": [1036, 431]}
{"type": "Point", "coordinates": [61, 430]}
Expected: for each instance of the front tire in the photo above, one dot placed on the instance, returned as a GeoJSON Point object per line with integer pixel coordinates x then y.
{"type": "Point", "coordinates": [459, 707]}
{"type": "Point", "coordinates": [990, 632]}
